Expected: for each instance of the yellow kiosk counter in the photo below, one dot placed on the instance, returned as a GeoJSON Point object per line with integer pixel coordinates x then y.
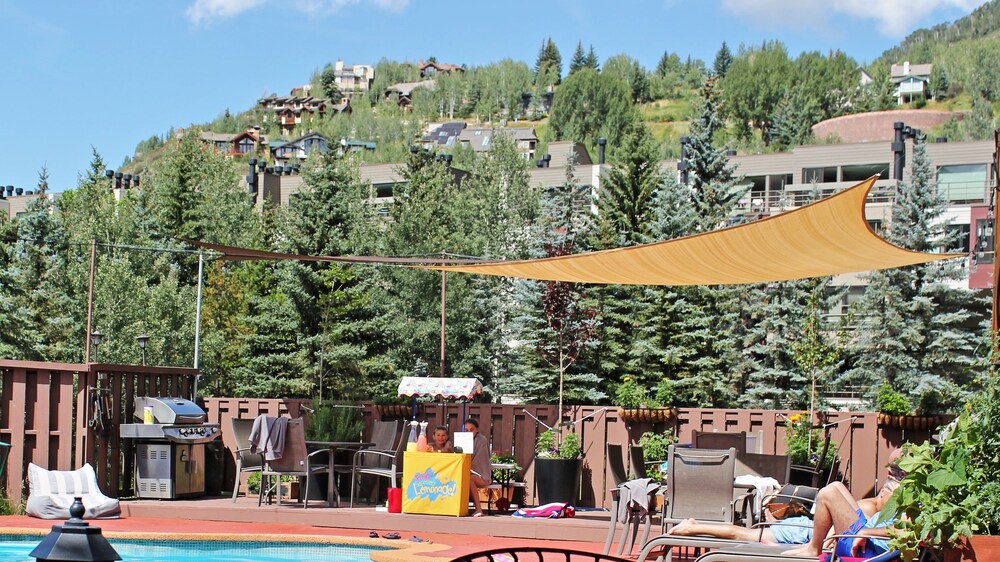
{"type": "Point", "coordinates": [436, 483]}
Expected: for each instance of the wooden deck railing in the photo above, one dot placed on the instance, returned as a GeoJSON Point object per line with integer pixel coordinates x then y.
{"type": "Point", "coordinates": [47, 414]}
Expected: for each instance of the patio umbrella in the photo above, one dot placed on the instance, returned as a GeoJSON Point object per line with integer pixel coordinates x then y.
{"type": "Point", "coordinates": [440, 387]}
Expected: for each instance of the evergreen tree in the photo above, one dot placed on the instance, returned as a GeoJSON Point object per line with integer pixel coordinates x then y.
{"type": "Point", "coordinates": [710, 175]}
{"type": "Point", "coordinates": [548, 66]}
{"type": "Point", "coordinates": [579, 58]}
{"type": "Point", "coordinates": [592, 61]}
{"type": "Point", "coordinates": [669, 63]}
{"type": "Point", "coordinates": [328, 82]}
{"type": "Point", "coordinates": [908, 326]}
{"type": "Point", "coordinates": [793, 120]}
{"type": "Point", "coordinates": [723, 60]}
{"type": "Point", "coordinates": [979, 124]}
{"type": "Point", "coordinates": [625, 198]}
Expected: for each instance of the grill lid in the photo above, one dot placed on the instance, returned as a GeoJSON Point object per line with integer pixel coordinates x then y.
{"type": "Point", "coordinates": [170, 410]}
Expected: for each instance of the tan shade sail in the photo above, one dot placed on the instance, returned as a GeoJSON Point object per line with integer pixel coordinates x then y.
{"type": "Point", "coordinates": [828, 237]}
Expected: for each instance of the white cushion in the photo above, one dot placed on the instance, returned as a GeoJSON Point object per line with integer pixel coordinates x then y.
{"type": "Point", "coordinates": [51, 492]}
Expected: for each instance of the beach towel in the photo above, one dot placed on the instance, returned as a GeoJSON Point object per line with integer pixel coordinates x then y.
{"type": "Point", "coordinates": [763, 487]}
{"type": "Point", "coordinates": [267, 436]}
{"type": "Point", "coordinates": [634, 496]}
{"type": "Point", "coordinates": [555, 510]}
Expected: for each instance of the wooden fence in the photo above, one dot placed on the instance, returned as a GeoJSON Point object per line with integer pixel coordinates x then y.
{"type": "Point", "coordinates": [47, 414]}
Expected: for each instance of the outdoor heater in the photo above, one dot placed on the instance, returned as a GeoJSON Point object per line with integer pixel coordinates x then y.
{"type": "Point", "coordinates": [170, 447]}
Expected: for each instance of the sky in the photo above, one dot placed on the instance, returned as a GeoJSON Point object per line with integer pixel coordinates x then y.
{"type": "Point", "coordinates": [102, 75]}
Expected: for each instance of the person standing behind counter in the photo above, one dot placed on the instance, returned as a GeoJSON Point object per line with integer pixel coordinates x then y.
{"type": "Point", "coordinates": [482, 469]}
{"type": "Point", "coordinates": [441, 441]}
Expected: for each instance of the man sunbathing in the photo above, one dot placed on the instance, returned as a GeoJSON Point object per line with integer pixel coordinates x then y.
{"type": "Point", "coordinates": [835, 508]}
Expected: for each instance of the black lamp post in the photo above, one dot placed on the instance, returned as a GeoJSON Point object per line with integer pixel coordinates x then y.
{"type": "Point", "coordinates": [143, 341]}
{"type": "Point", "coordinates": [96, 337]}
{"type": "Point", "coordinates": [75, 541]}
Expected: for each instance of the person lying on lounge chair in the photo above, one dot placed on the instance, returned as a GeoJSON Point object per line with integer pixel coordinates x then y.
{"type": "Point", "coordinates": [801, 530]}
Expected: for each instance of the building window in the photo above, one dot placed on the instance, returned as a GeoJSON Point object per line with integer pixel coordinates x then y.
{"type": "Point", "coordinates": [958, 238]}
{"type": "Point", "coordinates": [861, 172]}
{"type": "Point", "coordinates": [245, 146]}
{"type": "Point", "coordinates": [963, 183]}
{"type": "Point", "coordinates": [819, 175]}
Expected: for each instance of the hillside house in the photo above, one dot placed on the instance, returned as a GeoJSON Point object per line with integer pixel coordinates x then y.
{"type": "Point", "coordinates": [481, 140]}
{"type": "Point", "coordinates": [354, 77]}
{"type": "Point", "coordinates": [912, 81]}
{"type": "Point", "coordinates": [299, 148]}
{"type": "Point", "coordinates": [443, 134]}
{"type": "Point", "coordinates": [430, 69]}
{"type": "Point", "coordinates": [403, 91]}
{"type": "Point", "coordinates": [249, 141]}
{"type": "Point", "coordinates": [292, 111]}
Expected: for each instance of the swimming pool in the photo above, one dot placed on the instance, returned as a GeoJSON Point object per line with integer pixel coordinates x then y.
{"type": "Point", "coordinates": [15, 548]}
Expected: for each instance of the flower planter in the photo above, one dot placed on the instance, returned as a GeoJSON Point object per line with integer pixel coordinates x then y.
{"type": "Point", "coordinates": [391, 411]}
{"type": "Point", "coordinates": [980, 548]}
{"type": "Point", "coordinates": [557, 480]}
{"type": "Point", "coordinates": [647, 415]}
{"type": "Point", "coordinates": [911, 423]}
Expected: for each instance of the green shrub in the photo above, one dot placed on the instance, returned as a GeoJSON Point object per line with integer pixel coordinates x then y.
{"type": "Point", "coordinates": [547, 445]}
{"type": "Point", "coordinates": [335, 422]}
{"type": "Point", "coordinates": [654, 450]}
{"type": "Point", "coordinates": [891, 402]}
{"type": "Point", "coordinates": [8, 507]}
{"type": "Point", "coordinates": [805, 442]}
{"type": "Point", "coordinates": [630, 394]}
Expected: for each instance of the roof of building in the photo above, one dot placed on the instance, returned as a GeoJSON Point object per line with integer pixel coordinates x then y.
{"type": "Point", "coordinates": [406, 88]}
{"type": "Point", "coordinates": [480, 139]}
{"type": "Point", "coordinates": [560, 151]}
{"type": "Point", "coordinates": [439, 66]}
{"type": "Point", "coordinates": [216, 137]}
{"type": "Point", "coordinates": [445, 133]}
{"type": "Point", "coordinates": [907, 69]}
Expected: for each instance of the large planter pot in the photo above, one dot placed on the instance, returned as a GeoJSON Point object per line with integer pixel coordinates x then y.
{"type": "Point", "coordinates": [647, 415]}
{"type": "Point", "coordinates": [557, 480]}
{"type": "Point", "coordinates": [980, 548]}
{"type": "Point", "coordinates": [911, 423]}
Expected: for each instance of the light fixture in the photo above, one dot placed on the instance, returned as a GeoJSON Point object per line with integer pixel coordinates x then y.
{"type": "Point", "coordinates": [143, 340]}
{"type": "Point", "coordinates": [96, 337]}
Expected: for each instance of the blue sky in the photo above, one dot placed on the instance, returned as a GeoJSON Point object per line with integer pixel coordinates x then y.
{"type": "Point", "coordinates": [104, 74]}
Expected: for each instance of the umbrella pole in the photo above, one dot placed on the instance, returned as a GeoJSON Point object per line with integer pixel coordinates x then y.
{"type": "Point", "coordinates": [463, 410]}
{"type": "Point", "coordinates": [413, 402]}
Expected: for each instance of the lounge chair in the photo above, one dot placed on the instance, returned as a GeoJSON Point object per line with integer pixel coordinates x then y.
{"type": "Point", "coordinates": [752, 552]}
{"type": "Point", "coordinates": [699, 485]}
{"type": "Point", "coordinates": [52, 492]}
{"type": "Point", "coordinates": [245, 460]}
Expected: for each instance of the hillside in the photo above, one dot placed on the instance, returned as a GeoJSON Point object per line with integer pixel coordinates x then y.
{"type": "Point", "coordinates": [921, 45]}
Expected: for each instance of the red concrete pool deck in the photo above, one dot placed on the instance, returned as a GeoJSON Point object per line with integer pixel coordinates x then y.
{"type": "Point", "coordinates": [436, 546]}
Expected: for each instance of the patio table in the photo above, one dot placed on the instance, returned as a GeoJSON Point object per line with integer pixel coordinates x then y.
{"type": "Point", "coordinates": [506, 480]}
{"type": "Point", "coordinates": [333, 447]}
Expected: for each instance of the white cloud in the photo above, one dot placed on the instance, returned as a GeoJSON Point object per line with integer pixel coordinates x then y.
{"type": "Point", "coordinates": [894, 18]}
{"type": "Point", "coordinates": [204, 10]}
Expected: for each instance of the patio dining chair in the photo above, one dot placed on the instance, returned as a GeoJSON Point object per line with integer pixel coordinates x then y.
{"type": "Point", "coordinates": [814, 475]}
{"type": "Point", "coordinates": [246, 461]}
{"type": "Point", "coordinates": [296, 460]}
{"type": "Point", "coordinates": [371, 462]}
{"type": "Point", "coordinates": [719, 440]}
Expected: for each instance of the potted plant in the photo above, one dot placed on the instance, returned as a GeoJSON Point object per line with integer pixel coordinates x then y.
{"type": "Point", "coordinates": [894, 410]}
{"type": "Point", "coordinates": [951, 492]}
{"type": "Point", "coordinates": [804, 443]}
{"type": "Point", "coordinates": [635, 404]}
{"type": "Point", "coordinates": [558, 466]}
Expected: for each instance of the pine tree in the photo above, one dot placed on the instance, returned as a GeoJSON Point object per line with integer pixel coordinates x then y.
{"type": "Point", "coordinates": [939, 82]}
{"type": "Point", "coordinates": [710, 174]}
{"type": "Point", "coordinates": [625, 197]}
{"type": "Point", "coordinates": [908, 325]}
{"type": "Point", "coordinates": [592, 61]}
{"type": "Point", "coordinates": [548, 66]}
{"type": "Point", "coordinates": [723, 60]}
{"type": "Point", "coordinates": [579, 58]}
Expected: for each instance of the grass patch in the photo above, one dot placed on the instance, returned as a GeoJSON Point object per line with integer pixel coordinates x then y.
{"type": "Point", "coordinates": [666, 111]}
{"type": "Point", "coordinates": [8, 507]}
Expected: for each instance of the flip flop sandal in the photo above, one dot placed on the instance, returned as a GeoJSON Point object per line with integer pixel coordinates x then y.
{"type": "Point", "coordinates": [415, 539]}
{"type": "Point", "coordinates": [373, 535]}
{"type": "Point", "coordinates": [390, 536]}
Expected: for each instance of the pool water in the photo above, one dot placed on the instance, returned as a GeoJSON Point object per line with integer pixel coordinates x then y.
{"type": "Point", "coordinates": [15, 548]}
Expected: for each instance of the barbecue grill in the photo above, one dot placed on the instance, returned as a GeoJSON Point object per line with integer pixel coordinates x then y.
{"type": "Point", "coordinates": [170, 451]}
